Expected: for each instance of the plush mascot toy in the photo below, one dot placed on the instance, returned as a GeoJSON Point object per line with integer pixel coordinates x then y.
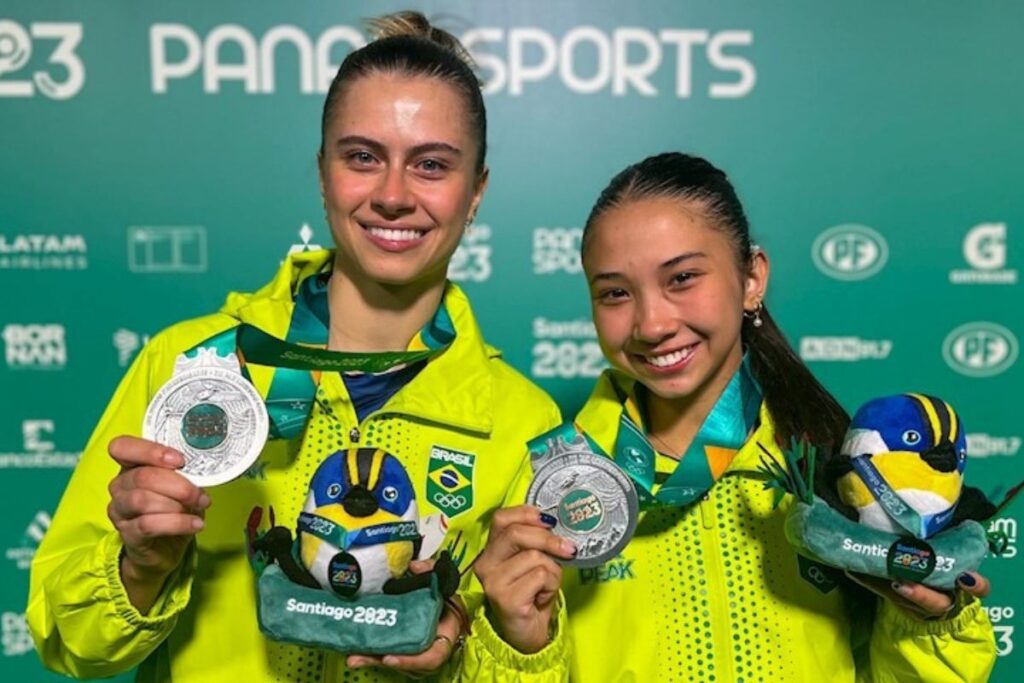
{"type": "Point", "coordinates": [892, 503]}
{"type": "Point", "coordinates": [343, 581]}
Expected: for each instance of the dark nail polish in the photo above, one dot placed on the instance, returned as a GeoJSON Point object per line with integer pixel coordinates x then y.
{"type": "Point", "coordinates": [548, 519]}
{"type": "Point", "coordinates": [575, 551]}
{"type": "Point", "coordinates": [966, 579]}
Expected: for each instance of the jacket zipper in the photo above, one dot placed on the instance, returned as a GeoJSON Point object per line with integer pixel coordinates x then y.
{"type": "Point", "coordinates": [718, 599]}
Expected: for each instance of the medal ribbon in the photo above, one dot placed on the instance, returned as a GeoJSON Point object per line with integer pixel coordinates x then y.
{"type": "Point", "coordinates": [723, 432]}
{"type": "Point", "coordinates": [300, 357]}
{"type": "Point", "coordinates": [340, 537]}
{"type": "Point", "coordinates": [897, 508]}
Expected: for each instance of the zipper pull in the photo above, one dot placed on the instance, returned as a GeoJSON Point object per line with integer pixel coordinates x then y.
{"type": "Point", "coordinates": [707, 516]}
{"type": "Point", "coordinates": [353, 435]}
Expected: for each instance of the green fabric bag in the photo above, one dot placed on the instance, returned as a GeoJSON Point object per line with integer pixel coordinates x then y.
{"type": "Point", "coordinates": [825, 535]}
{"type": "Point", "coordinates": [371, 624]}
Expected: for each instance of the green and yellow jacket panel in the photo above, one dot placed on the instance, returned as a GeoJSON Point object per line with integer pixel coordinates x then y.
{"type": "Point", "coordinates": [714, 592]}
{"type": "Point", "coordinates": [203, 626]}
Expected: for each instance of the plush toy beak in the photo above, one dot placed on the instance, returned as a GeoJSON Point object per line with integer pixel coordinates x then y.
{"type": "Point", "coordinates": [359, 502]}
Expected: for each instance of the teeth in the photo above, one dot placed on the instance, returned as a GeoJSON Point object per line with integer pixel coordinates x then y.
{"type": "Point", "coordinates": [396, 235]}
{"type": "Point", "coordinates": [670, 358]}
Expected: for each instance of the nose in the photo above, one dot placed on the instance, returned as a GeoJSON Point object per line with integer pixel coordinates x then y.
{"type": "Point", "coordinates": [654, 320]}
{"type": "Point", "coordinates": [392, 197]}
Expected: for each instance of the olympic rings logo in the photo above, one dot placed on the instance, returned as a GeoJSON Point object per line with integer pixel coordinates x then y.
{"type": "Point", "coordinates": [447, 500]}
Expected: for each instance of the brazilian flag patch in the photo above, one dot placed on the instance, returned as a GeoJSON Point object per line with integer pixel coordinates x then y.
{"type": "Point", "coordinates": [450, 480]}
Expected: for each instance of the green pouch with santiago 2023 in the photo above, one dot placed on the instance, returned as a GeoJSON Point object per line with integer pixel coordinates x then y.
{"type": "Point", "coordinates": [825, 535]}
{"type": "Point", "coordinates": [371, 624]}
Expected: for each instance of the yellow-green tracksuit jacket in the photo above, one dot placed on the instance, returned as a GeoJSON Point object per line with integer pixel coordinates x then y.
{"type": "Point", "coordinates": [714, 592]}
{"type": "Point", "coordinates": [203, 626]}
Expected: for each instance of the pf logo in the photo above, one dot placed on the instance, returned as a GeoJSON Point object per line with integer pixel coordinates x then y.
{"type": "Point", "coordinates": [980, 349]}
{"type": "Point", "coordinates": [850, 252]}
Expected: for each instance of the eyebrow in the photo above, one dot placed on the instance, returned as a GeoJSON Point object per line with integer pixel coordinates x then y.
{"type": "Point", "coordinates": [671, 263]}
{"type": "Point", "coordinates": [413, 151]}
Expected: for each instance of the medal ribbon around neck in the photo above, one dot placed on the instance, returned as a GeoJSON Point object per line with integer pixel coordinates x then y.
{"type": "Point", "coordinates": [301, 357]}
{"type": "Point", "coordinates": [723, 432]}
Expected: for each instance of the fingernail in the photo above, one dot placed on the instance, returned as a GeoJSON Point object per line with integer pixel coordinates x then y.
{"type": "Point", "coordinates": [569, 547]}
{"type": "Point", "coordinates": [390, 661]}
{"type": "Point", "coordinates": [197, 523]}
{"type": "Point", "coordinates": [173, 459]}
{"type": "Point", "coordinates": [550, 520]}
{"type": "Point", "coordinates": [901, 588]}
{"type": "Point", "coordinates": [355, 662]}
{"type": "Point", "coordinates": [966, 579]}
{"type": "Point", "coordinates": [204, 501]}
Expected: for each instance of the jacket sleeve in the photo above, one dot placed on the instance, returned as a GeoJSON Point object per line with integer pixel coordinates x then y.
{"type": "Point", "coordinates": [489, 658]}
{"type": "Point", "coordinates": [81, 619]}
{"type": "Point", "coordinates": [904, 648]}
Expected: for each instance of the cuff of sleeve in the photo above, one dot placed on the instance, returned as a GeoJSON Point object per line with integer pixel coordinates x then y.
{"type": "Point", "coordinates": [901, 622]}
{"type": "Point", "coordinates": [174, 595]}
{"type": "Point", "coordinates": [505, 655]}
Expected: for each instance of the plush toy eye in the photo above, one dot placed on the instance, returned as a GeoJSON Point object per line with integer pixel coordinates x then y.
{"type": "Point", "coordinates": [390, 494]}
{"type": "Point", "coordinates": [334, 490]}
{"type": "Point", "coordinates": [911, 437]}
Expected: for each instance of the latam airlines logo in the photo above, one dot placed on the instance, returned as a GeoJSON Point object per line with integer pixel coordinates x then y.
{"type": "Point", "coordinates": [985, 252]}
{"type": "Point", "coordinates": [43, 252]}
{"type": "Point", "coordinates": [850, 252]}
{"type": "Point", "coordinates": [35, 347]}
{"type": "Point", "coordinates": [980, 349]}
{"type": "Point", "coordinates": [586, 59]}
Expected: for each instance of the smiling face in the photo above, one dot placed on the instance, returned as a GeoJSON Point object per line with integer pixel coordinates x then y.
{"type": "Point", "coordinates": [668, 296]}
{"type": "Point", "coordinates": [399, 177]}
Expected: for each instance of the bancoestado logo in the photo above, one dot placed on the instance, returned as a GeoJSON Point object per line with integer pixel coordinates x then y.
{"type": "Point", "coordinates": [850, 252]}
{"type": "Point", "coordinates": [584, 59]}
{"type": "Point", "coordinates": [848, 349]}
{"type": "Point", "coordinates": [22, 553]}
{"type": "Point", "coordinates": [39, 452]}
{"type": "Point", "coordinates": [566, 349]}
{"type": "Point", "coordinates": [37, 251]}
{"type": "Point", "coordinates": [980, 349]}
{"type": "Point", "coordinates": [64, 74]}
{"type": "Point", "coordinates": [35, 346]}
{"type": "Point", "coordinates": [984, 250]}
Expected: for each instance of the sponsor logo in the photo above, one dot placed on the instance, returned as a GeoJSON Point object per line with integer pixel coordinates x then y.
{"type": "Point", "coordinates": [566, 349]}
{"type": "Point", "coordinates": [450, 480]}
{"type": "Point", "coordinates": [585, 59]}
{"type": "Point", "coordinates": [305, 235]}
{"type": "Point", "coordinates": [980, 349]}
{"type": "Point", "coordinates": [35, 346]}
{"type": "Point", "coordinates": [850, 252]}
{"type": "Point", "coordinates": [39, 452]}
{"type": "Point", "coordinates": [64, 72]}
{"type": "Point", "coordinates": [170, 249]}
{"type": "Point", "coordinates": [43, 252]}
{"type": "Point", "coordinates": [618, 569]}
{"type": "Point", "coordinates": [472, 260]}
{"type": "Point", "coordinates": [127, 343]}
{"type": "Point", "coordinates": [16, 637]}
{"type": "Point", "coordinates": [1005, 527]}
{"type": "Point", "coordinates": [557, 250]}
{"type": "Point", "coordinates": [21, 554]}
{"type": "Point", "coordinates": [980, 445]}
{"type": "Point", "coordinates": [1000, 617]}
{"type": "Point", "coordinates": [848, 349]}
{"type": "Point", "coordinates": [985, 252]}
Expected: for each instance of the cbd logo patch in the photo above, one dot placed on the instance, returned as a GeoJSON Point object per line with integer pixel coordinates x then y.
{"type": "Point", "coordinates": [450, 480]}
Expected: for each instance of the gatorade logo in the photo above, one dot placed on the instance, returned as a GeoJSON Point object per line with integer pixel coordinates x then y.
{"type": "Point", "coordinates": [850, 252]}
{"type": "Point", "coordinates": [980, 349]}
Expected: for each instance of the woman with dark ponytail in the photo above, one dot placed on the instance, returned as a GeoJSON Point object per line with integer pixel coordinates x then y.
{"type": "Point", "coordinates": [708, 589]}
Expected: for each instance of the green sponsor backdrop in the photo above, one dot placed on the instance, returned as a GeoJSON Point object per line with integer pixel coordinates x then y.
{"type": "Point", "coordinates": [155, 155]}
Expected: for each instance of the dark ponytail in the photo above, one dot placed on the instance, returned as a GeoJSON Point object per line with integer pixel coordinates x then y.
{"type": "Point", "coordinates": [799, 404]}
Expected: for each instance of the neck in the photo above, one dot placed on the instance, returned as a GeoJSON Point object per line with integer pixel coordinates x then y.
{"type": "Point", "coordinates": [674, 422]}
{"type": "Point", "coordinates": [372, 317]}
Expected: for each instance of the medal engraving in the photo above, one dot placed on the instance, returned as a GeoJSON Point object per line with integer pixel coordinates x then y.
{"type": "Point", "coordinates": [212, 415]}
{"type": "Point", "coordinates": [594, 501]}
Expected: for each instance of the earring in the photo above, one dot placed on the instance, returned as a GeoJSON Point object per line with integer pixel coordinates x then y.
{"type": "Point", "coordinates": [755, 315]}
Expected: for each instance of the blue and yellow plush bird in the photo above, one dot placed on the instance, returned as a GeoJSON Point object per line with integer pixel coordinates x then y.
{"type": "Point", "coordinates": [901, 467]}
{"type": "Point", "coordinates": [359, 526]}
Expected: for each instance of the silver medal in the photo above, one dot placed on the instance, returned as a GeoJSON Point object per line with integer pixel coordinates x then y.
{"type": "Point", "coordinates": [210, 414]}
{"type": "Point", "coordinates": [594, 501]}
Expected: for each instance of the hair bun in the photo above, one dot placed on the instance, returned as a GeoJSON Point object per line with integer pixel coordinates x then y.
{"type": "Point", "coordinates": [412, 24]}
